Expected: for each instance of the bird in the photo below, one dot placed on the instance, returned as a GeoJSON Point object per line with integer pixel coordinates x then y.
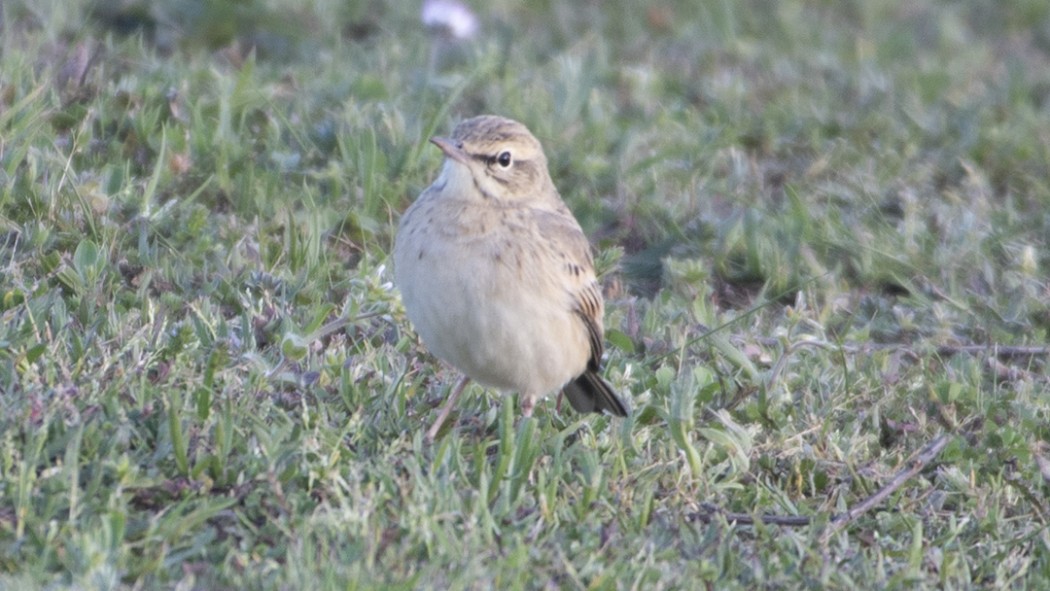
{"type": "Point", "coordinates": [497, 276]}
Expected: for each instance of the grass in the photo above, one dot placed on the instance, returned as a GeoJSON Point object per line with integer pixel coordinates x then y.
{"type": "Point", "coordinates": [804, 210]}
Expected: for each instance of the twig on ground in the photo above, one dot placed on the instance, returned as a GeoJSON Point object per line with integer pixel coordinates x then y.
{"type": "Point", "coordinates": [922, 459]}
{"type": "Point", "coordinates": [917, 464]}
{"type": "Point", "coordinates": [1010, 351]}
{"type": "Point", "coordinates": [996, 350]}
{"type": "Point", "coordinates": [708, 512]}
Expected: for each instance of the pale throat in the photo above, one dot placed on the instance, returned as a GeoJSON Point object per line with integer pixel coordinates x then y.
{"type": "Point", "coordinates": [455, 179]}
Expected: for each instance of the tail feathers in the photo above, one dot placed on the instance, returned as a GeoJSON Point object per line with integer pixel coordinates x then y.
{"type": "Point", "coordinates": [590, 393]}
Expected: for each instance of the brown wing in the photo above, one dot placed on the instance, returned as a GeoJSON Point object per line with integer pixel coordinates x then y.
{"type": "Point", "coordinates": [589, 308]}
{"type": "Point", "coordinates": [568, 243]}
{"type": "Point", "coordinates": [588, 392]}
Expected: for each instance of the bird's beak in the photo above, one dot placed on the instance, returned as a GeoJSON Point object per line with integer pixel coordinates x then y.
{"type": "Point", "coordinates": [450, 149]}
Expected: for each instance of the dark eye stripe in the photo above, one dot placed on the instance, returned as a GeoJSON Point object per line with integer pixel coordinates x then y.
{"type": "Point", "coordinates": [494, 159]}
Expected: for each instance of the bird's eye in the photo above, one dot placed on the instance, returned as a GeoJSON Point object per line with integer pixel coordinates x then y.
{"type": "Point", "coordinates": [503, 159]}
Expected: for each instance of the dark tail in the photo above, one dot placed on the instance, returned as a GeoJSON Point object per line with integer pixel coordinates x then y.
{"type": "Point", "coordinates": [590, 393]}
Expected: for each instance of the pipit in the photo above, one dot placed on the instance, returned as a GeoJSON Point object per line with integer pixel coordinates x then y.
{"type": "Point", "coordinates": [497, 277]}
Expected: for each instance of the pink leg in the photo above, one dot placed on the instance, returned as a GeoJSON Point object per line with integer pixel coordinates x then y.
{"type": "Point", "coordinates": [527, 403]}
{"type": "Point", "coordinates": [433, 431]}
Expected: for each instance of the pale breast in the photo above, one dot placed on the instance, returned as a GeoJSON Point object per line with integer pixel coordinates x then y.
{"type": "Point", "coordinates": [489, 293]}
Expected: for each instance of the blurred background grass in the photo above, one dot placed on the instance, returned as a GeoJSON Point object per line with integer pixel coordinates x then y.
{"type": "Point", "coordinates": [193, 189]}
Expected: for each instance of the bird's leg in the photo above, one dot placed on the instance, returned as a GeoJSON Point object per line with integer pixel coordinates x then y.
{"type": "Point", "coordinates": [433, 431]}
{"type": "Point", "coordinates": [527, 402]}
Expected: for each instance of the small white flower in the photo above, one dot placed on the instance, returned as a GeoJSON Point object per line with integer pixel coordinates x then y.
{"type": "Point", "coordinates": [451, 15]}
